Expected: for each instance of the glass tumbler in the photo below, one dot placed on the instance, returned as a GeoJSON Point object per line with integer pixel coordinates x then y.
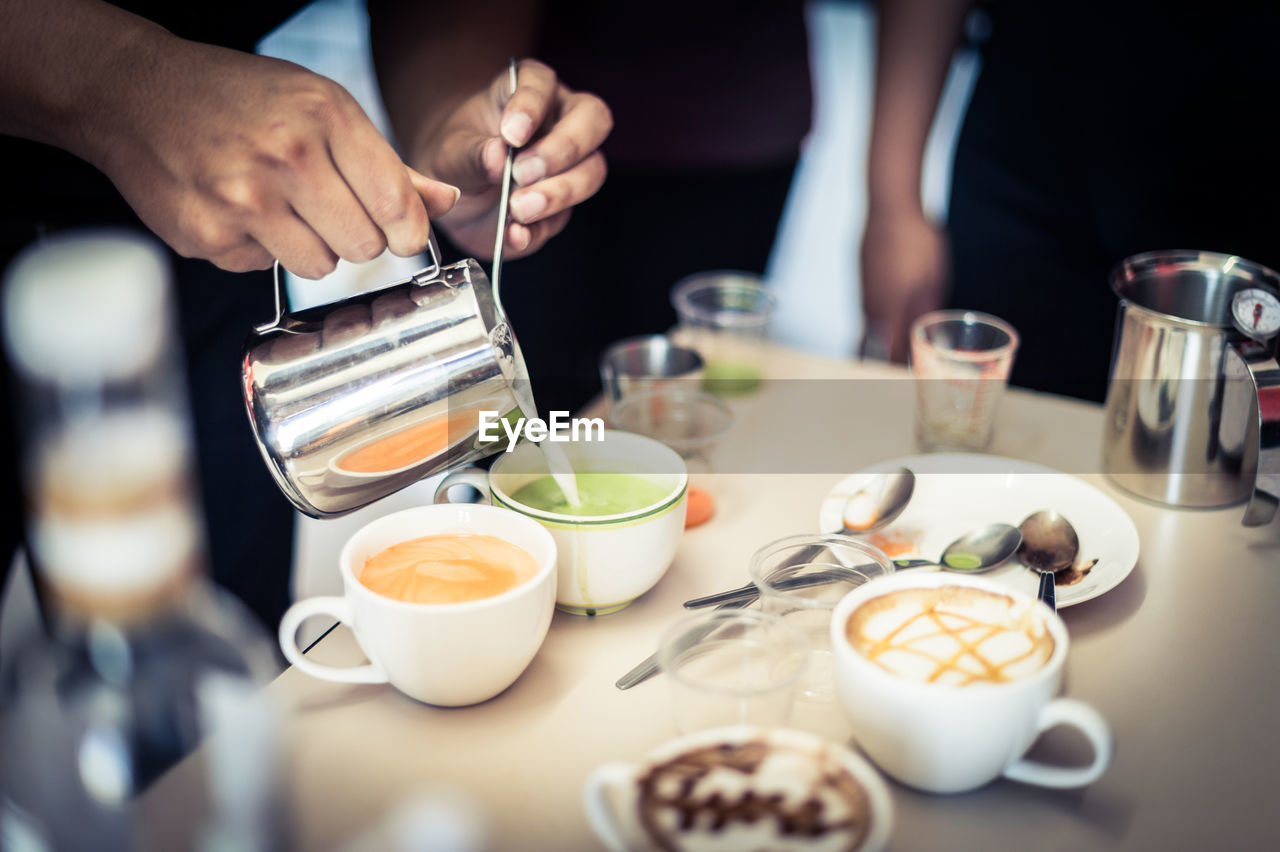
{"type": "Point", "coordinates": [961, 362]}
{"type": "Point", "coordinates": [801, 578]}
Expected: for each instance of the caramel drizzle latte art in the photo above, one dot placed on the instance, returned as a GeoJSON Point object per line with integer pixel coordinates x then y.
{"type": "Point", "coordinates": [956, 636]}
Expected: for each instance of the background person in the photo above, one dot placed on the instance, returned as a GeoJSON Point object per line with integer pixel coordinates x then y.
{"type": "Point", "coordinates": [711, 102]}
{"type": "Point", "coordinates": [1096, 130]}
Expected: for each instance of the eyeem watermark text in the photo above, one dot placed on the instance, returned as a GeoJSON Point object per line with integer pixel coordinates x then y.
{"type": "Point", "coordinates": [560, 428]}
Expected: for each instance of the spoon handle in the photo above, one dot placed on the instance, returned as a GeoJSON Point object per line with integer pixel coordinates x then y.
{"type": "Point", "coordinates": [503, 202]}
{"type": "Point", "coordinates": [1048, 592]}
{"type": "Point", "coordinates": [648, 667]}
{"type": "Point", "coordinates": [750, 591]}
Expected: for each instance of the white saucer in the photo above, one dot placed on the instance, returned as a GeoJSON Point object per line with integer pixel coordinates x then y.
{"type": "Point", "coordinates": [958, 492]}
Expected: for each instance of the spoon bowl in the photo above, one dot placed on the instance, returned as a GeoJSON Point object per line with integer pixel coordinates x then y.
{"type": "Point", "coordinates": [976, 551]}
{"type": "Point", "coordinates": [1049, 545]}
{"type": "Point", "coordinates": [1049, 542]}
{"type": "Point", "coordinates": [878, 503]}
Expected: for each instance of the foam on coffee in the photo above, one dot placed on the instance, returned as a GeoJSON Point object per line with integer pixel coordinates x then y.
{"type": "Point", "coordinates": [447, 568]}
{"type": "Point", "coordinates": [953, 635]}
{"type": "Point", "coordinates": [753, 795]}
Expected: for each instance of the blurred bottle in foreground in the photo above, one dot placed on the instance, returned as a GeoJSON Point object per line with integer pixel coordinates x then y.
{"type": "Point", "coordinates": [142, 659]}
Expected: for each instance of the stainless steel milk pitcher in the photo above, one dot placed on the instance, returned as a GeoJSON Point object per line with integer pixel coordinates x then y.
{"type": "Point", "coordinates": [1193, 403]}
{"type": "Point", "coordinates": [354, 400]}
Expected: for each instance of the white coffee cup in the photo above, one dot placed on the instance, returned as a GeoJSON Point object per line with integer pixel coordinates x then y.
{"type": "Point", "coordinates": [449, 654]}
{"type": "Point", "coordinates": [946, 738]}
{"type": "Point", "coordinates": [612, 793]}
{"type": "Point", "coordinates": [605, 561]}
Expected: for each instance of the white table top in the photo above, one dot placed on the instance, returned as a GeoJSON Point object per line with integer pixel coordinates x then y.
{"type": "Point", "coordinates": [1180, 658]}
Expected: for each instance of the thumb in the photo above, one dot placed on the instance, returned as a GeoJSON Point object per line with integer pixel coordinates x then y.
{"type": "Point", "coordinates": [439, 197]}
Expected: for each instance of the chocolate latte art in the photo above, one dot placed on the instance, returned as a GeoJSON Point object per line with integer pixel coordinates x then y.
{"type": "Point", "coordinates": [951, 635]}
{"type": "Point", "coordinates": [753, 795]}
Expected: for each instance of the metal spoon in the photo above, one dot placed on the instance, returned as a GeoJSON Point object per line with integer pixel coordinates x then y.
{"type": "Point", "coordinates": [503, 200]}
{"type": "Point", "coordinates": [975, 552]}
{"type": "Point", "coordinates": [1049, 544]}
{"type": "Point", "coordinates": [648, 667]}
{"type": "Point", "coordinates": [972, 553]}
{"type": "Point", "coordinates": [878, 503]}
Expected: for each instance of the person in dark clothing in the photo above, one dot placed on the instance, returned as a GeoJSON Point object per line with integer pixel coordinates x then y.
{"type": "Point", "coordinates": [711, 102]}
{"type": "Point", "coordinates": [1096, 130]}
{"type": "Point", "coordinates": [158, 116]}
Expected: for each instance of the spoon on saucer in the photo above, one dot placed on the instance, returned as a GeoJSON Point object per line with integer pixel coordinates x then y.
{"type": "Point", "coordinates": [878, 503]}
{"type": "Point", "coordinates": [1049, 544]}
{"type": "Point", "coordinates": [972, 553]}
{"type": "Point", "coordinates": [873, 506]}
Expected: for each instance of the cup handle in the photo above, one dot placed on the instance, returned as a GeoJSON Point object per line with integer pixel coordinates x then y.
{"type": "Point", "coordinates": [601, 814]}
{"type": "Point", "coordinates": [1065, 711]}
{"type": "Point", "coordinates": [337, 608]}
{"type": "Point", "coordinates": [473, 476]}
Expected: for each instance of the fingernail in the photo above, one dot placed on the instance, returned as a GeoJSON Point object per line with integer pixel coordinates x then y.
{"type": "Point", "coordinates": [528, 205]}
{"type": "Point", "coordinates": [520, 236]}
{"type": "Point", "coordinates": [517, 128]}
{"type": "Point", "coordinates": [528, 170]}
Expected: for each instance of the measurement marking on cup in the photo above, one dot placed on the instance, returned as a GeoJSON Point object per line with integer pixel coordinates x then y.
{"type": "Point", "coordinates": [559, 429]}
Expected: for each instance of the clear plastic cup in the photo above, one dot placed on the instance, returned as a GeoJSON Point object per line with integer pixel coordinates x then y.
{"type": "Point", "coordinates": [961, 362]}
{"type": "Point", "coordinates": [725, 316]}
{"type": "Point", "coordinates": [801, 578]}
{"type": "Point", "coordinates": [732, 667]}
{"type": "Point", "coordinates": [689, 422]}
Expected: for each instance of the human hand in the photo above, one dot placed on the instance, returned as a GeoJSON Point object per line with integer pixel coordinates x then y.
{"type": "Point", "coordinates": [904, 275]}
{"type": "Point", "coordinates": [242, 159]}
{"type": "Point", "coordinates": [560, 164]}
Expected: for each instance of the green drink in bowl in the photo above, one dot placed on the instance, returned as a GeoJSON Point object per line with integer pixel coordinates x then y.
{"type": "Point", "coordinates": [598, 494]}
{"type": "Point", "coordinates": [620, 538]}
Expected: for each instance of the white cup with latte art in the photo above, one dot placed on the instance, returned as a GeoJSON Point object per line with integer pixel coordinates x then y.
{"type": "Point", "coordinates": [949, 679]}
{"type": "Point", "coordinates": [741, 787]}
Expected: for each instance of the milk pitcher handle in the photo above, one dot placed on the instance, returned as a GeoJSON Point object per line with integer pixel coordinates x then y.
{"type": "Point", "coordinates": [1251, 393]}
{"type": "Point", "coordinates": [431, 270]}
{"type": "Point", "coordinates": [476, 477]}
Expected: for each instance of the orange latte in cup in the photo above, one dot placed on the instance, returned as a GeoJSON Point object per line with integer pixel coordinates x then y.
{"type": "Point", "coordinates": [447, 568]}
{"type": "Point", "coordinates": [478, 580]}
